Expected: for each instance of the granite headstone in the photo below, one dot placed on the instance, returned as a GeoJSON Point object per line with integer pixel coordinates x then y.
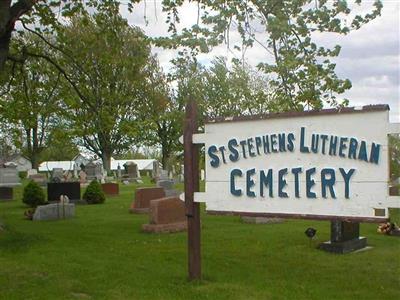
{"type": "Point", "coordinates": [166, 215]}
{"type": "Point", "coordinates": [54, 211]}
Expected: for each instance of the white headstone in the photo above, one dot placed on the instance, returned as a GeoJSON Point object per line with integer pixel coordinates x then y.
{"type": "Point", "coordinates": [31, 172]}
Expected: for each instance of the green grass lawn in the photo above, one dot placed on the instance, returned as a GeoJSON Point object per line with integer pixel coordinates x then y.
{"type": "Point", "coordinates": [102, 254]}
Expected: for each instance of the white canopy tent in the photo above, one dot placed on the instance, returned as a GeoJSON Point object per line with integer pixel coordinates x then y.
{"type": "Point", "coordinates": [143, 164]}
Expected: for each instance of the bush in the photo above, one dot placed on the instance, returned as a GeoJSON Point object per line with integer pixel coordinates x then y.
{"type": "Point", "coordinates": [33, 195]}
{"type": "Point", "coordinates": [94, 193]}
{"type": "Point", "coordinates": [22, 174]}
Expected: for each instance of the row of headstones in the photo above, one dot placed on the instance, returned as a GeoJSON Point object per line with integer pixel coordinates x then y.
{"type": "Point", "coordinates": [166, 211]}
{"type": "Point", "coordinates": [9, 174]}
{"type": "Point", "coordinates": [63, 197]}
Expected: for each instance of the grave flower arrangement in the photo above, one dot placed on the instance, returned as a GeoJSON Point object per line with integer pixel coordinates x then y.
{"type": "Point", "coordinates": [388, 228]}
{"type": "Point", "coordinates": [29, 213]}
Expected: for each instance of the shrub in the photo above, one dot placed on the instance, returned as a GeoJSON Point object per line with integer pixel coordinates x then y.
{"type": "Point", "coordinates": [33, 195]}
{"type": "Point", "coordinates": [94, 193]}
{"type": "Point", "coordinates": [22, 174]}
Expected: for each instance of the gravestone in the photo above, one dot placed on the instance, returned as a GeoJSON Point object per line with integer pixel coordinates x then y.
{"type": "Point", "coordinates": [67, 176]}
{"type": "Point", "coordinates": [345, 238]}
{"type": "Point", "coordinates": [156, 170]}
{"type": "Point", "coordinates": [9, 176]}
{"type": "Point", "coordinates": [119, 172]}
{"type": "Point", "coordinates": [131, 171]}
{"type": "Point", "coordinates": [6, 193]}
{"type": "Point", "coordinates": [109, 178]}
{"type": "Point", "coordinates": [57, 175]}
{"type": "Point", "coordinates": [166, 215]}
{"type": "Point", "coordinates": [94, 171]}
{"type": "Point", "coordinates": [54, 211]}
{"type": "Point", "coordinates": [76, 168]}
{"type": "Point", "coordinates": [8, 179]}
{"type": "Point", "coordinates": [163, 175]}
{"type": "Point", "coordinates": [167, 185]}
{"type": "Point", "coordinates": [71, 189]}
{"type": "Point", "coordinates": [110, 188]}
{"type": "Point", "coordinates": [40, 179]}
{"type": "Point", "coordinates": [143, 196]}
{"type": "Point", "coordinates": [82, 177]}
{"type": "Point", "coordinates": [31, 172]}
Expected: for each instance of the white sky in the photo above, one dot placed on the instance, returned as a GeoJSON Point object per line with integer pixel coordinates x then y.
{"type": "Point", "coordinates": [370, 56]}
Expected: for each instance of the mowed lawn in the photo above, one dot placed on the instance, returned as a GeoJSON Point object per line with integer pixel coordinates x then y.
{"type": "Point", "coordinates": [102, 254]}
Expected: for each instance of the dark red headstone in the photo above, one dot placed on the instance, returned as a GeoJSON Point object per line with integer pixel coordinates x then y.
{"type": "Point", "coordinates": [143, 196]}
{"type": "Point", "coordinates": [110, 189]}
{"type": "Point", "coordinates": [166, 215]}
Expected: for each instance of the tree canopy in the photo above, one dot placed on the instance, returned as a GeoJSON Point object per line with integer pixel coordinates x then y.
{"type": "Point", "coordinates": [31, 103]}
{"type": "Point", "coordinates": [107, 66]}
{"type": "Point", "coordinates": [301, 72]}
{"type": "Point", "coordinates": [112, 93]}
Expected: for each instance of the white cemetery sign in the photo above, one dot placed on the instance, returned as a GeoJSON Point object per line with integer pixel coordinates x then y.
{"type": "Point", "coordinates": [324, 164]}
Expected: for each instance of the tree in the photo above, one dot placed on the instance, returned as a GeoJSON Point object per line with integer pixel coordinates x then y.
{"type": "Point", "coordinates": [107, 66]}
{"type": "Point", "coordinates": [236, 90]}
{"type": "Point", "coordinates": [302, 72]}
{"type": "Point", "coordinates": [31, 104]}
{"type": "Point", "coordinates": [61, 144]}
{"type": "Point", "coordinates": [44, 16]}
{"type": "Point", "coordinates": [219, 90]}
{"type": "Point", "coordinates": [29, 11]}
{"type": "Point", "coordinates": [394, 149]}
{"type": "Point", "coordinates": [161, 113]}
{"type": "Point", "coordinates": [222, 90]}
{"type": "Point", "coordinates": [6, 145]}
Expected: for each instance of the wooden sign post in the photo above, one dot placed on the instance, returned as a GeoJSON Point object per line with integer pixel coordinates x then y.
{"type": "Point", "coordinates": [191, 171]}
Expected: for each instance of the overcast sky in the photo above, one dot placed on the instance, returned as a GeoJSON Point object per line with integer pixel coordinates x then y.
{"type": "Point", "coordinates": [370, 56]}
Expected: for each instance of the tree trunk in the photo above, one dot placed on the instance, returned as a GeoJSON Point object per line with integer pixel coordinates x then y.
{"type": "Point", "coordinates": [4, 48]}
{"type": "Point", "coordinates": [164, 155]}
{"type": "Point", "coordinates": [35, 160]}
{"type": "Point", "coordinates": [35, 149]}
{"type": "Point", "coordinates": [5, 33]}
{"type": "Point", "coordinates": [106, 158]}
